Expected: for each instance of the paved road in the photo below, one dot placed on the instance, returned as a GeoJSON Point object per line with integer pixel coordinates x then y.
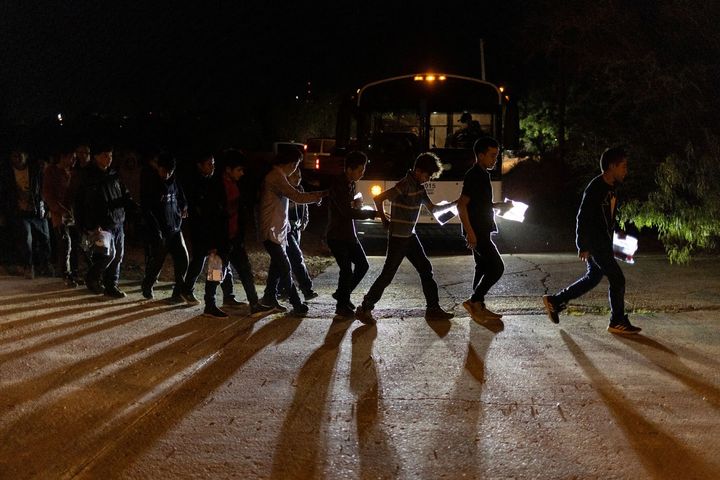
{"type": "Point", "coordinates": [96, 388]}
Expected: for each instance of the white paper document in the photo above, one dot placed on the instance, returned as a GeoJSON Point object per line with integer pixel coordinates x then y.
{"type": "Point", "coordinates": [516, 213]}
{"type": "Point", "coordinates": [624, 247]}
{"type": "Point", "coordinates": [444, 215]}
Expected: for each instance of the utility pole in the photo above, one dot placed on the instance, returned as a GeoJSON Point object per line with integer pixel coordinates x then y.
{"type": "Point", "coordinates": [482, 59]}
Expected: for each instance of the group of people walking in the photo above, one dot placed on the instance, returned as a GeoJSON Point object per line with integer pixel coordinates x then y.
{"type": "Point", "coordinates": [86, 202]}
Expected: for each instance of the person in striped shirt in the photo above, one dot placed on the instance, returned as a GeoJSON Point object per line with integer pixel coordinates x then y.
{"type": "Point", "coordinates": [406, 197]}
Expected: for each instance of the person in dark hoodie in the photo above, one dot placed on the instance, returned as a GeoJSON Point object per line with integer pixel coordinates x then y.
{"type": "Point", "coordinates": [594, 238]}
{"type": "Point", "coordinates": [164, 207]}
{"type": "Point", "coordinates": [100, 200]}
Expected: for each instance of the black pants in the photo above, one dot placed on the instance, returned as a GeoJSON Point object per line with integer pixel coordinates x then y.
{"type": "Point", "coordinates": [398, 249]}
{"type": "Point", "coordinates": [200, 252]}
{"type": "Point", "coordinates": [157, 251]}
{"type": "Point", "coordinates": [489, 267]}
{"type": "Point", "coordinates": [238, 258]}
{"type": "Point", "coordinates": [348, 254]}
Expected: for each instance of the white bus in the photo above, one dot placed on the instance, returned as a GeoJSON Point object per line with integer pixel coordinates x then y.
{"type": "Point", "coordinates": [395, 119]}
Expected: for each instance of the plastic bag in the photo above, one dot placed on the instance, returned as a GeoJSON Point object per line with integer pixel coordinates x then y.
{"type": "Point", "coordinates": [100, 243]}
{"type": "Point", "coordinates": [215, 272]}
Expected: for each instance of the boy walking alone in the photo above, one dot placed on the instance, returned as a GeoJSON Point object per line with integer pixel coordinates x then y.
{"type": "Point", "coordinates": [594, 238]}
{"type": "Point", "coordinates": [406, 197]}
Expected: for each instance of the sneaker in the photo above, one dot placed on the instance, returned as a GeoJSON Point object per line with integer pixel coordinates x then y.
{"type": "Point", "coordinates": [214, 312]}
{"type": "Point", "coordinates": [46, 271]}
{"type": "Point", "coordinates": [114, 292]}
{"type": "Point", "coordinates": [344, 311]}
{"type": "Point", "coordinates": [349, 303]}
{"type": "Point", "coordinates": [479, 311]}
{"type": "Point", "coordinates": [300, 310]}
{"type": "Point", "coordinates": [552, 308]}
{"type": "Point", "coordinates": [29, 272]}
{"type": "Point", "coordinates": [147, 292]}
{"type": "Point", "coordinates": [437, 313]}
{"type": "Point", "coordinates": [310, 294]}
{"type": "Point", "coordinates": [175, 299]}
{"type": "Point", "coordinates": [277, 308]}
{"type": "Point", "coordinates": [70, 282]}
{"type": "Point", "coordinates": [365, 315]}
{"type": "Point", "coordinates": [190, 298]}
{"type": "Point", "coordinates": [231, 302]}
{"type": "Point", "coordinates": [623, 327]}
{"type": "Point", "coordinates": [94, 287]}
{"type": "Point", "coordinates": [258, 310]}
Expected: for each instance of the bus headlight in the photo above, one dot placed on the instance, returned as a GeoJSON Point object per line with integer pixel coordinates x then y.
{"type": "Point", "coordinates": [375, 190]}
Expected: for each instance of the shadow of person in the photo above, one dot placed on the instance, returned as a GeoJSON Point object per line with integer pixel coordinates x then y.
{"type": "Point", "coordinates": [663, 456]}
{"type": "Point", "coordinates": [300, 448]}
{"type": "Point", "coordinates": [464, 411]}
{"type": "Point", "coordinates": [667, 361]}
{"type": "Point", "coordinates": [440, 327]}
{"type": "Point", "coordinates": [495, 325]}
{"type": "Point", "coordinates": [378, 458]}
{"type": "Point", "coordinates": [128, 313]}
{"type": "Point", "coordinates": [32, 388]}
{"type": "Point", "coordinates": [96, 431]}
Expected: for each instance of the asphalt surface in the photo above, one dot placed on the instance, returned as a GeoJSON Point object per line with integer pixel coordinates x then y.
{"type": "Point", "coordinates": [129, 388]}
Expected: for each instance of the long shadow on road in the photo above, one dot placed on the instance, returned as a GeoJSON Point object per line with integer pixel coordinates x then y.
{"type": "Point", "coordinates": [300, 449]}
{"type": "Point", "coordinates": [98, 430]}
{"type": "Point", "coordinates": [663, 456]}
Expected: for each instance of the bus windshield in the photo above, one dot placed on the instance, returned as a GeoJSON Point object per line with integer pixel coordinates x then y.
{"type": "Point", "coordinates": [401, 117]}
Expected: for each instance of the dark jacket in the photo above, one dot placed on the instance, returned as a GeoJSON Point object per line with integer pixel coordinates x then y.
{"type": "Point", "coordinates": [9, 193]}
{"type": "Point", "coordinates": [341, 214]}
{"type": "Point", "coordinates": [208, 214]}
{"type": "Point", "coordinates": [99, 198]}
{"type": "Point", "coordinates": [162, 204]}
{"type": "Point", "coordinates": [596, 217]}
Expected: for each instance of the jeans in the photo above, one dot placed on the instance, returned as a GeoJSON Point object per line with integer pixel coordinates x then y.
{"type": "Point", "coordinates": [600, 264]}
{"type": "Point", "coordinates": [31, 232]}
{"type": "Point", "coordinates": [489, 267]}
{"type": "Point", "coordinates": [297, 262]}
{"type": "Point", "coordinates": [157, 252]}
{"type": "Point", "coordinates": [346, 255]}
{"type": "Point", "coordinates": [279, 275]}
{"type": "Point", "coordinates": [68, 250]}
{"type": "Point", "coordinates": [107, 266]}
{"type": "Point", "coordinates": [398, 249]}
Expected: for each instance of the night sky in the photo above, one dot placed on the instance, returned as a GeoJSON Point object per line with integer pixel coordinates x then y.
{"type": "Point", "coordinates": [80, 57]}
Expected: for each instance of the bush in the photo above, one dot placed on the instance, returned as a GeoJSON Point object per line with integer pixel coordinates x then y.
{"type": "Point", "coordinates": [685, 208]}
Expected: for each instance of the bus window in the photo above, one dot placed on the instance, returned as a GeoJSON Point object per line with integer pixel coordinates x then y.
{"type": "Point", "coordinates": [467, 127]}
